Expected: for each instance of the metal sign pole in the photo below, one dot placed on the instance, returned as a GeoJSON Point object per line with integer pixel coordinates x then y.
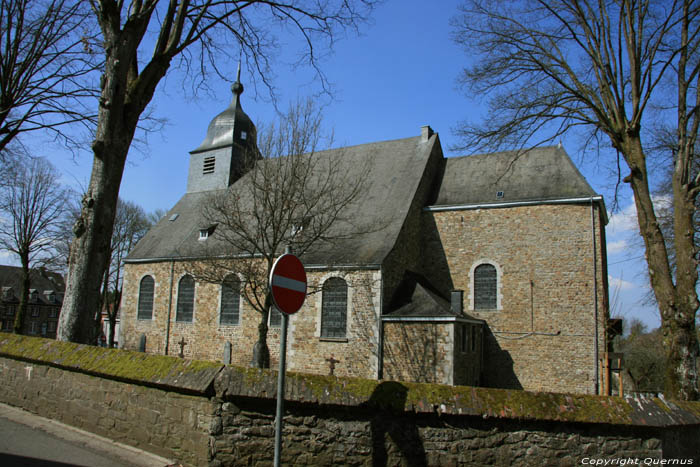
{"type": "Point", "coordinates": [280, 389]}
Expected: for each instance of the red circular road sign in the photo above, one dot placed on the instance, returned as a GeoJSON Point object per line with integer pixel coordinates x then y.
{"type": "Point", "coordinates": [288, 283]}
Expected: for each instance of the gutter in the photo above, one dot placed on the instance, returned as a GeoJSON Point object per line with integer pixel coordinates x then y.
{"type": "Point", "coordinates": [509, 204]}
{"type": "Point", "coordinates": [308, 267]}
{"type": "Point", "coordinates": [432, 319]}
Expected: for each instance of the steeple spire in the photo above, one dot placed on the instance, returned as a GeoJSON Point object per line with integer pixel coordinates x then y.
{"type": "Point", "coordinates": [232, 126]}
{"type": "Point", "coordinates": [237, 87]}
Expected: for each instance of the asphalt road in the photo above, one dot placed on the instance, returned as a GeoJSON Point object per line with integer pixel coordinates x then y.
{"type": "Point", "coordinates": [28, 440]}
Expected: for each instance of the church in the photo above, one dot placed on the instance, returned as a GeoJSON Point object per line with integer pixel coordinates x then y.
{"type": "Point", "coordinates": [489, 270]}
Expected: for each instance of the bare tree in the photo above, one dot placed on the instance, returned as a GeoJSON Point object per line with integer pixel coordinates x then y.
{"type": "Point", "coordinates": [31, 207]}
{"type": "Point", "coordinates": [45, 66]}
{"type": "Point", "coordinates": [199, 33]}
{"type": "Point", "coordinates": [604, 68]}
{"type": "Point", "coordinates": [291, 196]}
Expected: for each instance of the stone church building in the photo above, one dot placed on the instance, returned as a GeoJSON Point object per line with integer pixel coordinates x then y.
{"type": "Point", "coordinates": [488, 270]}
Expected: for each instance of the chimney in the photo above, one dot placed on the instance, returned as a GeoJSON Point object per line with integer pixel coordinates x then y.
{"type": "Point", "coordinates": [456, 301]}
{"type": "Point", "coordinates": [425, 133]}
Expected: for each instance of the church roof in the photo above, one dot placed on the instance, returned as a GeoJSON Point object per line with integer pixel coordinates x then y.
{"type": "Point", "coordinates": [229, 124]}
{"type": "Point", "coordinates": [415, 297]}
{"type": "Point", "coordinates": [395, 170]}
{"type": "Point", "coordinates": [538, 174]}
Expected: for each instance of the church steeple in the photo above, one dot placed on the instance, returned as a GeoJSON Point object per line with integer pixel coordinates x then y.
{"type": "Point", "coordinates": [229, 145]}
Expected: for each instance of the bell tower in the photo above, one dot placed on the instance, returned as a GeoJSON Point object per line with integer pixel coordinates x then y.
{"type": "Point", "coordinates": [227, 150]}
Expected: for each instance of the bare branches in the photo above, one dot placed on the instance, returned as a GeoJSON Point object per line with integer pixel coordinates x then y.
{"type": "Point", "coordinates": [292, 195]}
{"type": "Point", "coordinates": [31, 205]}
{"type": "Point", "coordinates": [566, 62]}
{"type": "Point", "coordinates": [550, 67]}
{"type": "Point", "coordinates": [46, 62]}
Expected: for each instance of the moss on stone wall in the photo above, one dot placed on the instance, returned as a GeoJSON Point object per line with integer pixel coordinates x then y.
{"type": "Point", "coordinates": [456, 400]}
{"type": "Point", "coordinates": [232, 382]}
{"type": "Point", "coordinates": [189, 375]}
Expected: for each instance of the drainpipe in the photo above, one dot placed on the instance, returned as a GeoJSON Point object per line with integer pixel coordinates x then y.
{"type": "Point", "coordinates": [170, 308]}
{"type": "Point", "coordinates": [595, 297]}
{"type": "Point", "coordinates": [380, 327]}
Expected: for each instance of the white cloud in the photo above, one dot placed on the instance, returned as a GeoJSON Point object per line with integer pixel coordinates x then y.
{"type": "Point", "coordinates": [618, 246]}
{"type": "Point", "coordinates": [623, 221]}
{"type": "Point", "coordinates": [620, 284]}
{"type": "Point", "coordinates": [8, 258]}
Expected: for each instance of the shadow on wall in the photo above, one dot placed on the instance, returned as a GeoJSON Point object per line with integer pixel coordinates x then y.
{"type": "Point", "coordinates": [411, 353]}
{"type": "Point", "coordinates": [497, 371]}
{"type": "Point", "coordinates": [435, 265]}
{"type": "Point", "coordinates": [394, 433]}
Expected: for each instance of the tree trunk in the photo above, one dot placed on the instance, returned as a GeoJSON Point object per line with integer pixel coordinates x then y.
{"type": "Point", "coordinates": [124, 97]}
{"type": "Point", "coordinates": [681, 376]}
{"type": "Point", "coordinates": [20, 317]}
{"type": "Point", "coordinates": [90, 249]}
{"type": "Point", "coordinates": [677, 302]}
{"type": "Point", "coordinates": [261, 352]}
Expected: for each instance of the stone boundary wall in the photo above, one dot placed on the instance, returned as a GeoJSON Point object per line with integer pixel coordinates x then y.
{"type": "Point", "coordinates": [204, 413]}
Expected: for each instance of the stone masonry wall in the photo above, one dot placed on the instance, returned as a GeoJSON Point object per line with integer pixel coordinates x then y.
{"type": "Point", "coordinates": [419, 352]}
{"type": "Point", "coordinates": [542, 337]}
{"type": "Point", "coordinates": [201, 413]}
{"type": "Point", "coordinates": [206, 338]}
{"type": "Point", "coordinates": [163, 409]}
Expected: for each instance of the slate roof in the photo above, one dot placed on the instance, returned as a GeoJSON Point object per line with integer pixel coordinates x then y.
{"type": "Point", "coordinates": [415, 297]}
{"type": "Point", "coordinates": [537, 174]}
{"type": "Point", "coordinates": [40, 279]}
{"type": "Point", "coordinates": [396, 169]}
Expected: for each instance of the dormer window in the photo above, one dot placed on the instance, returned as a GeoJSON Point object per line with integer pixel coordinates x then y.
{"type": "Point", "coordinates": [33, 294]}
{"type": "Point", "coordinates": [50, 296]}
{"type": "Point", "coordinates": [206, 232]}
{"type": "Point", "coordinates": [244, 135]}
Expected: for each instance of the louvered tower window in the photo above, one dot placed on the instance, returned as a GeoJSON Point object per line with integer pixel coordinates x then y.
{"type": "Point", "coordinates": [230, 301]}
{"type": "Point", "coordinates": [145, 310]}
{"type": "Point", "coordinates": [485, 287]}
{"type": "Point", "coordinates": [209, 165]}
{"type": "Point", "coordinates": [334, 308]}
{"type": "Point", "coordinates": [185, 300]}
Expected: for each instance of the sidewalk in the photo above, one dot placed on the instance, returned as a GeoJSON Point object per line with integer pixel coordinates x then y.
{"type": "Point", "coordinates": [30, 440]}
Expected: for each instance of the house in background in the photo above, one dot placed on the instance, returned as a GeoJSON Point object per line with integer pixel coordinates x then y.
{"type": "Point", "coordinates": [45, 299]}
{"type": "Point", "coordinates": [487, 270]}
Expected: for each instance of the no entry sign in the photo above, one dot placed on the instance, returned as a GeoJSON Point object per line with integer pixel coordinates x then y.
{"type": "Point", "coordinates": [288, 283]}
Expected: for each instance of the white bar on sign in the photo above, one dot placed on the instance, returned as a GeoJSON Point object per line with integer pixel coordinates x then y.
{"type": "Point", "coordinates": [287, 283]}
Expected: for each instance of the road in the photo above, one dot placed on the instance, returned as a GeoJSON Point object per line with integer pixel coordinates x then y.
{"type": "Point", "coordinates": [32, 441]}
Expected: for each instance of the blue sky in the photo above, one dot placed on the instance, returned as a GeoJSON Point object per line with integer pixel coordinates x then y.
{"type": "Point", "coordinates": [398, 75]}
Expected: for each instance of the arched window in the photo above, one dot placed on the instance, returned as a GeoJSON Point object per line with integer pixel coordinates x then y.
{"type": "Point", "coordinates": [334, 308]}
{"type": "Point", "coordinates": [145, 310]}
{"type": "Point", "coordinates": [485, 287]}
{"type": "Point", "coordinates": [230, 300]}
{"type": "Point", "coordinates": [185, 299]}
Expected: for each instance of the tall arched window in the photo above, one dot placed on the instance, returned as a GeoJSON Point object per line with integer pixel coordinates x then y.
{"type": "Point", "coordinates": [185, 299]}
{"type": "Point", "coordinates": [334, 308]}
{"type": "Point", "coordinates": [230, 300]}
{"type": "Point", "coordinates": [485, 287]}
{"type": "Point", "coordinates": [145, 310]}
